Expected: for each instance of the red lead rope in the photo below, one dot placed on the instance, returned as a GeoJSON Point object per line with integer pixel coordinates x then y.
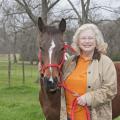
{"type": "Point", "coordinates": [74, 103]}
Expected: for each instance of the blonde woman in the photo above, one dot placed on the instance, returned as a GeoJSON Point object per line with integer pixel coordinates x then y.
{"type": "Point", "coordinates": [91, 75]}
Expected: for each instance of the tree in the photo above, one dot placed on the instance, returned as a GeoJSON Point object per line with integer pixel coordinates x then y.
{"type": "Point", "coordinates": [83, 18]}
{"type": "Point", "coordinates": [47, 5]}
{"type": "Point", "coordinates": [9, 57]}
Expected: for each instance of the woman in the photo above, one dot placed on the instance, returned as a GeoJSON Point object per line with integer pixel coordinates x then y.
{"type": "Point", "coordinates": [91, 75]}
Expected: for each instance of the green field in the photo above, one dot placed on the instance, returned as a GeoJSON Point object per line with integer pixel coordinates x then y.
{"type": "Point", "coordinates": [20, 101]}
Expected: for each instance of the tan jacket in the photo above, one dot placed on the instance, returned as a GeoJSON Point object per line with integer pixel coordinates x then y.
{"type": "Point", "coordinates": [101, 87]}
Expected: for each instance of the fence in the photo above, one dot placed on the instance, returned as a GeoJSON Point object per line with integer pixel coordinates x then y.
{"type": "Point", "coordinates": [15, 75]}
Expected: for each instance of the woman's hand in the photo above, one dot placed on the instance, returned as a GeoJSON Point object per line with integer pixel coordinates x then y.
{"type": "Point", "coordinates": [81, 100]}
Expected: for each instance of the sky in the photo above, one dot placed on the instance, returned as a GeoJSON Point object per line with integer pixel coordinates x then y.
{"type": "Point", "coordinates": [110, 3]}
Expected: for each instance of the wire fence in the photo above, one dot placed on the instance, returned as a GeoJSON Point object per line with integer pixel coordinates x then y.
{"type": "Point", "coordinates": [16, 75]}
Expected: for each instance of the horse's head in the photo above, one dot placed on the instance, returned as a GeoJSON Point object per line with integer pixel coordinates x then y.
{"type": "Point", "coordinates": [51, 53]}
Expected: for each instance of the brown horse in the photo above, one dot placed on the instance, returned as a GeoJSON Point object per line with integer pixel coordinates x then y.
{"type": "Point", "coordinates": [52, 58]}
{"type": "Point", "coordinates": [116, 100]}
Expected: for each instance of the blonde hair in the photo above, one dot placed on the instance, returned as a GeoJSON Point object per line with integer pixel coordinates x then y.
{"type": "Point", "coordinates": [101, 46]}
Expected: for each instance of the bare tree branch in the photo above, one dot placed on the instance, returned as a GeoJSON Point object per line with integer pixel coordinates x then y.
{"type": "Point", "coordinates": [87, 6]}
{"type": "Point", "coordinates": [33, 18]}
{"type": "Point", "coordinates": [21, 28]}
{"type": "Point", "coordinates": [15, 13]}
{"type": "Point", "coordinates": [1, 3]}
{"type": "Point", "coordinates": [36, 6]}
{"type": "Point", "coordinates": [20, 3]}
{"type": "Point", "coordinates": [101, 21]}
{"type": "Point", "coordinates": [75, 10]}
{"type": "Point", "coordinates": [110, 9]}
{"type": "Point", "coordinates": [67, 18]}
{"type": "Point", "coordinates": [85, 10]}
{"type": "Point", "coordinates": [29, 12]}
{"type": "Point", "coordinates": [53, 4]}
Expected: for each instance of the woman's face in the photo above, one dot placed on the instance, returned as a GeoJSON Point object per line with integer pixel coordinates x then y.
{"type": "Point", "coordinates": [87, 41]}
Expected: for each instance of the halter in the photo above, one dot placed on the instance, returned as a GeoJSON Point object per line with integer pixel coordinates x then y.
{"type": "Point", "coordinates": [58, 66]}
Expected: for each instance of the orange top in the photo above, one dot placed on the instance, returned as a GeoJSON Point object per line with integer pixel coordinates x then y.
{"type": "Point", "coordinates": [77, 82]}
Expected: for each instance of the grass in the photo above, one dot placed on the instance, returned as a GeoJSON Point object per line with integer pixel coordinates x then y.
{"type": "Point", "coordinates": [20, 101]}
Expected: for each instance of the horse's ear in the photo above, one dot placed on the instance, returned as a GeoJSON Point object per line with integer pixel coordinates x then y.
{"type": "Point", "coordinates": [62, 25]}
{"type": "Point", "coordinates": [41, 25]}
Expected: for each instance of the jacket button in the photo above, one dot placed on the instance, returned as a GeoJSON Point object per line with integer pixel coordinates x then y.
{"type": "Point", "coordinates": [89, 86]}
{"type": "Point", "coordinates": [89, 72]}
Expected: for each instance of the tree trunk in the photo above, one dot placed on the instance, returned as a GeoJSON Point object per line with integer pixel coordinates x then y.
{"type": "Point", "coordinates": [14, 50]}
{"type": "Point", "coordinates": [23, 70]}
{"type": "Point", "coordinates": [9, 69]}
{"type": "Point", "coordinates": [44, 10]}
{"type": "Point", "coordinates": [9, 58]}
{"type": "Point", "coordinates": [85, 10]}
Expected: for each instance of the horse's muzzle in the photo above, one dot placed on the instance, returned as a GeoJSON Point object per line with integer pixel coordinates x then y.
{"type": "Point", "coordinates": [51, 85]}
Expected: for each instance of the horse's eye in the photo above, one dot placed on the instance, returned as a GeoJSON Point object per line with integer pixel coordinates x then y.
{"type": "Point", "coordinates": [41, 49]}
{"type": "Point", "coordinates": [62, 49]}
{"type": "Point", "coordinates": [42, 62]}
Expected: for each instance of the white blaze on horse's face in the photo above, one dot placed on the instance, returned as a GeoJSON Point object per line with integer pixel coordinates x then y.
{"type": "Point", "coordinates": [50, 51]}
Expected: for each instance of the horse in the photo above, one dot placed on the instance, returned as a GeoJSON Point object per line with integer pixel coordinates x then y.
{"type": "Point", "coordinates": [116, 100]}
{"type": "Point", "coordinates": [51, 56]}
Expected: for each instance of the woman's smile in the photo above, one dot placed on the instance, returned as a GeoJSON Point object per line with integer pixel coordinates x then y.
{"type": "Point", "coordinates": [87, 42]}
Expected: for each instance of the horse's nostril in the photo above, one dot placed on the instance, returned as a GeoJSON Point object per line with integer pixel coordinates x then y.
{"type": "Point", "coordinates": [51, 84]}
{"type": "Point", "coordinates": [42, 75]}
{"type": "Point", "coordinates": [55, 79]}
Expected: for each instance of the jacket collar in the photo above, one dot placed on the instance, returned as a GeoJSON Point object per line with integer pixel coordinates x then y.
{"type": "Point", "coordinates": [96, 56]}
